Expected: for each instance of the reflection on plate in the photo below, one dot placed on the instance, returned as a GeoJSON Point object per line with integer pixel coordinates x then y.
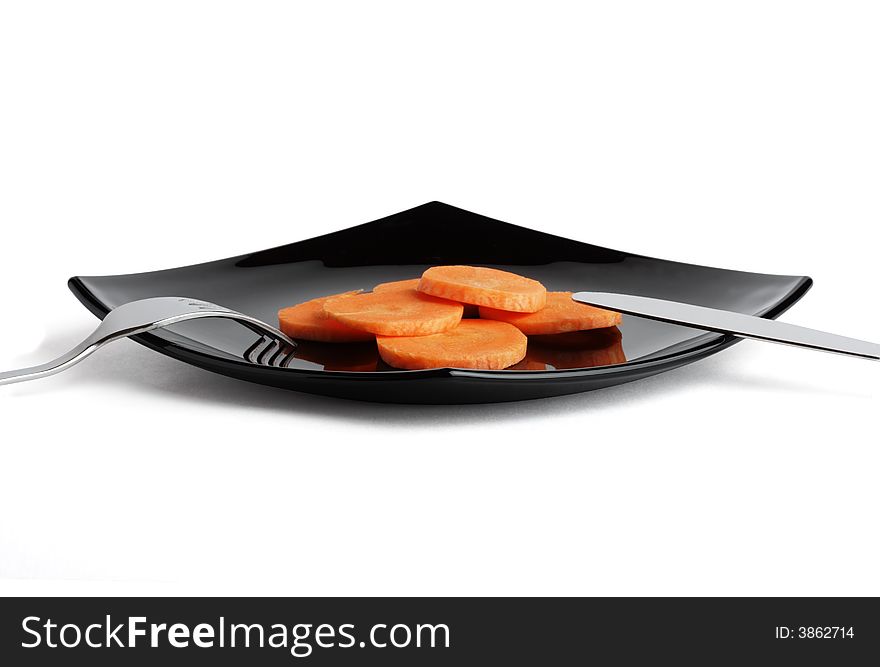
{"type": "Point", "coordinates": [340, 356]}
{"type": "Point", "coordinates": [576, 349]}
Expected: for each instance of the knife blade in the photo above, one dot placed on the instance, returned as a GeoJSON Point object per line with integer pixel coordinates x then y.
{"type": "Point", "coordinates": [729, 322]}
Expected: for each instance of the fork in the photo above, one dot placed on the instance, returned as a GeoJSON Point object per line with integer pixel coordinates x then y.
{"type": "Point", "coordinates": [273, 348]}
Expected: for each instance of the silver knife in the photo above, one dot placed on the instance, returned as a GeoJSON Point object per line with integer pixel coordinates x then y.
{"type": "Point", "coordinates": [729, 322]}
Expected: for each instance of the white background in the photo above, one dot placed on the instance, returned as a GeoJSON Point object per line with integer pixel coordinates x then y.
{"type": "Point", "coordinates": [139, 136]}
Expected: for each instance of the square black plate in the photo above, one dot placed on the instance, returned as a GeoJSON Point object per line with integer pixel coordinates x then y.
{"type": "Point", "coordinates": [402, 246]}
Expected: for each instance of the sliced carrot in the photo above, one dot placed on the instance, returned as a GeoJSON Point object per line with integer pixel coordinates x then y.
{"type": "Point", "coordinates": [561, 314]}
{"type": "Point", "coordinates": [395, 313]}
{"type": "Point", "coordinates": [413, 283]}
{"type": "Point", "coordinates": [397, 285]}
{"type": "Point", "coordinates": [577, 349]}
{"type": "Point", "coordinates": [472, 344]}
{"type": "Point", "coordinates": [308, 321]}
{"type": "Point", "coordinates": [484, 287]}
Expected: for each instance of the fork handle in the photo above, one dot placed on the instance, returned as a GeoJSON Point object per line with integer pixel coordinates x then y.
{"type": "Point", "coordinates": [106, 333]}
{"type": "Point", "coordinates": [63, 362]}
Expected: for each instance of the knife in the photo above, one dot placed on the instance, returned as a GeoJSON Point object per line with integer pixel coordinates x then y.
{"type": "Point", "coordinates": [729, 322]}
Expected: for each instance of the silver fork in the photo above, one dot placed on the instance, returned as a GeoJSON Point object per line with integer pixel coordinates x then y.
{"type": "Point", "coordinates": [273, 348]}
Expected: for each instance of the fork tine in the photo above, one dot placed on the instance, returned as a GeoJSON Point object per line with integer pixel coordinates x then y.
{"type": "Point", "coordinates": [287, 357]}
{"type": "Point", "coordinates": [248, 353]}
{"type": "Point", "coordinates": [255, 351]}
{"type": "Point", "coordinates": [268, 352]}
{"type": "Point", "coordinates": [277, 353]}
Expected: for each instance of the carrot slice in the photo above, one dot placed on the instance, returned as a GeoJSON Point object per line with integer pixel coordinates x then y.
{"type": "Point", "coordinates": [472, 344]}
{"type": "Point", "coordinates": [395, 313]}
{"type": "Point", "coordinates": [309, 322]}
{"type": "Point", "coordinates": [561, 314]}
{"type": "Point", "coordinates": [413, 283]}
{"type": "Point", "coordinates": [484, 287]}
{"type": "Point", "coordinates": [577, 349]}
{"type": "Point", "coordinates": [397, 285]}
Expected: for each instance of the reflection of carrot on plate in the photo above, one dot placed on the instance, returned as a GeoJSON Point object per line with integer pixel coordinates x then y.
{"type": "Point", "coordinates": [404, 312]}
{"type": "Point", "coordinates": [472, 344]}
{"type": "Point", "coordinates": [578, 349]}
{"type": "Point", "coordinates": [340, 357]}
{"type": "Point", "coordinates": [561, 314]}
{"type": "Point", "coordinates": [308, 321]}
{"type": "Point", "coordinates": [484, 287]}
{"type": "Point", "coordinates": [528, 364]}
{"type": "Point", "coordinates": [580, 340]}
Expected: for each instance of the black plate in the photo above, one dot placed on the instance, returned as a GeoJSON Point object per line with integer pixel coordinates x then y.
{"type": "Point", "coordinates": [402, 246]}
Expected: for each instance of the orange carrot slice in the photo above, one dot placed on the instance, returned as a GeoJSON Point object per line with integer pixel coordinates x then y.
{"type": "Point", "coordinates": [395, 313]}
{"type": "Point", "coordinates": [413, 283]}
{"type": "Point", "coordinates": [472, 344]}
{"type": "Point", "coordinates": [561, 314]}
{"type": "Point", "coordinates": [484, 287]}
{"type": "Point", "coordinates": [397, 285]}
{"type": "Point", "coordinates": [308, 321]}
